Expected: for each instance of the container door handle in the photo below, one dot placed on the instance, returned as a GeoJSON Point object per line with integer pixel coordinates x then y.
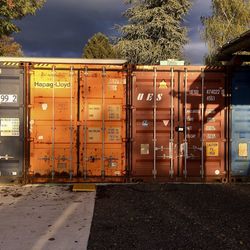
{"type": "Point", "coordinates": [6, 157]}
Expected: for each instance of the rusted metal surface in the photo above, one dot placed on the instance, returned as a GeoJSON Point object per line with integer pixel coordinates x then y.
{"type": "Point", "coordinates": [77, 121]}
{"type": "Point", "coordinates": [52, 122]}
{"type": "Point", "coordinates": [179, 129]}
{"type": "Point", "coordinates": [105, 122]}
{"type": "Point", "coordinates": [102, 122]}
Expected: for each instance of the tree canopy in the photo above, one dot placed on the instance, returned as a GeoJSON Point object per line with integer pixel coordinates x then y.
{"type": "Point", "coordinates": [229, 19]}
{"type": "Point", "coordinates": [11, 10]}
{"type": "Point", "coordinates": [154, 31]}
{"type": "Point", "coordinates": [98, 46]}
{"type": "Point", "coordinates": [8, 47]}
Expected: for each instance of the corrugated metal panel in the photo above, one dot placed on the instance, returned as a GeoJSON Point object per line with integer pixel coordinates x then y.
{"type": "Point", "coordinates": [152, 123]}
{"type": "Point", "coordinates": [77, 121]}
{"type": "Point", "coordinates": [179, 123]}
{"type": "Point", "coordinates": [240, 134]}
{"type": "Point", "coordinates": [11, 122]}
{"type": "Point", "coordinates": [202, 115]}
{"type": "Point", "coordinates": [53, 122]}
{"type": "Point", "coordinates": [103, 125]}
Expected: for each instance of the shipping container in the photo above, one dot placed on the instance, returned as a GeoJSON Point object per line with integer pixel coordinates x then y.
{"type": "Point", "coordinates": [11, 120]}
{"type": "Point", "coordinates": [240, 125]}
{"type": "Point", "coordinates": [179, 123]}
{"type": "Point", "coordinates": [103, 120]}
{"type": "Point", "coordinates": [76, 113]}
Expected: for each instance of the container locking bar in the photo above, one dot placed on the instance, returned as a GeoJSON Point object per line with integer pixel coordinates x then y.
{"type": "Point", "coordinates": [170, 150]}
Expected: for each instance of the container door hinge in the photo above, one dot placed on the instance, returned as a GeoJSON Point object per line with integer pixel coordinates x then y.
{"type": "Point", "coordinates": [202, 171]}
{"type": "Point", "coordinates": [154, 172]}
{"type": "Point", "coordinates": [171, 172]}
{"type": "Point", "coordinates": [185, 173]}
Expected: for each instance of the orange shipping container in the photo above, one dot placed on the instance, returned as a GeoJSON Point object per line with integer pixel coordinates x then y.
{"type": "Point", "coordinates": [77, 120]}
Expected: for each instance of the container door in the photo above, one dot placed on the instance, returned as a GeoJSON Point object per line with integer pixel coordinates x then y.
{"type": "Point", "coordinates": [53, 122]}
{"type": "Point", "coordinates": [202, 139]}
{"type": "Point", "coordinates": [103, 125]}
{"type": "Point", "coordinates": [178, 123]}
{"type": "Point", "coordinates": [11, 122]}
{"type": "Point", "coordinates": [240, 147]}
{"type": "Point", "coordinates": [153, 124]}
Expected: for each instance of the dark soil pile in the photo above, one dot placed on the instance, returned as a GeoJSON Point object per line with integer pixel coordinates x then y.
{"type": "Point", "coordinates": [169, 216]}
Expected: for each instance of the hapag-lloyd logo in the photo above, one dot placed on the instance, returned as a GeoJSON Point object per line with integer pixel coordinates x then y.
{"type": "Point", "coordinates": [49, 85]}
{"type": "Point", "coordinates": [149, 97]}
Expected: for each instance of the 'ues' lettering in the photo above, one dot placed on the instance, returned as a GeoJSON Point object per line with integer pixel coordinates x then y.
{"type": "Point", "coordinates": [149, 97]}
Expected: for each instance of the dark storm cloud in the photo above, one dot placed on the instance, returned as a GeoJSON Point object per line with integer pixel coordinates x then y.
{"type": "Point", "coordinates": [62, 27]}
{"type": "Point", "coordinates": [196, 49]}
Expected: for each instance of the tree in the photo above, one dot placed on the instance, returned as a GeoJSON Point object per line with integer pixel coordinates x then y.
{"type": "Point", "coordinates": [229, 19]}
{"type": "Point", "coordinates": [98, 46]}
{"type": "Point", "coordinates": [8, 47]}
{"type": "Point", "coordinates": [14, 10]}
{"type": "Point", "coordinates": [154, 31]}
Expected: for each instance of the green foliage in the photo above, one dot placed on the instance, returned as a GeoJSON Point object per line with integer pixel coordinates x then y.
{"type": "Point", "coordinates": [10, 48]}
{"type": "Point", "coordinates": [11, 10]}
{"type": "Point", "coordinates": [229, 19]}
{"type": "Point", "coordinates": [98, 46]}
{"type": "Point", "coordinates": [154, 31]}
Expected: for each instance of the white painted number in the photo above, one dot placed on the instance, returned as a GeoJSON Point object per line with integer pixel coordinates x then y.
{"type": "Point", "coordinates": [8, 98]}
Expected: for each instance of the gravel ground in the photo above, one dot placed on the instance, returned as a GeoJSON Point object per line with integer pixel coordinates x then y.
{"type": "Point", "coordinates": [169, 216]}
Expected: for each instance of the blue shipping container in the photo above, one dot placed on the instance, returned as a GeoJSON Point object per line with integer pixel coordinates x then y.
{"type": "Point", "coordinates": [240, 132]}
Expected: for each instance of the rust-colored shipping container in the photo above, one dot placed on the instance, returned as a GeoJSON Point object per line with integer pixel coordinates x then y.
{"type": "Point", "coordinates": [102, 130]}
{"type": "Point", "coordinates": [99, 120]}
{"type": "Point", "coordinates": [179, 123]}
{"type": "Point", "coordinates": [77, 119]}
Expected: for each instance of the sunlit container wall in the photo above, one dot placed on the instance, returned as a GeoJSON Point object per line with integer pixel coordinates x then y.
{"type": "Point", "coordinates": [77, 120]}
{"type": "Point", "coordinates": [179, 123]}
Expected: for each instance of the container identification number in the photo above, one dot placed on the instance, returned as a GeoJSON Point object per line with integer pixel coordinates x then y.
{"type": "Point", "coordinates": [4, 98]}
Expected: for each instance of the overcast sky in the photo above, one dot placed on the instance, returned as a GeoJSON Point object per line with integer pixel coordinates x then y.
{"type": "Point", "coordinates": [62, 27]}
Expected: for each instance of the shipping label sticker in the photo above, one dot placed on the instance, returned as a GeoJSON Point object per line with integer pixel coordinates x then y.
{"type": "Point", "coordinates": [212, 149]}
{"type": "Point", "coordinates": [243, 150]}
{"type": "Point", "coordinates": [144, 149]}
{"type": "Point", "coordinates": [94, 112]}
{"type": "Point", "coordinates": [145, 123]}
{"type": "Point", "coordinates": [94, 134]}
{"type": "Point", "coordinates": [114, 112]}
{"type": "Point", "coordinates": [114, 134]}
{"type": "Point", "coordinates": [163, 85]}
{"type": "Point", "coordinates": [9, 126]}
{"type": "Point", "coordinates": [165, 122]}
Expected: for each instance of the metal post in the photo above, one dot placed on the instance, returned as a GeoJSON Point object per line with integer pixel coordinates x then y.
{"type": "Point", "coordinates": [171, 144]}
{"type": "Point", "coordinates": [71, 122]}
{"type": "Point", "coordinates": [85, 122]}
{"type": "Point", "coordinates": [154, 113]}
{"type": "Point", "coordinates": [53, 123]}
{"type": "Point", "coordinates": [103, 121]}
{"type": "Point", "coordinates": [185, 125]}
{"type": "Point", "coordinates": [202, 122]}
